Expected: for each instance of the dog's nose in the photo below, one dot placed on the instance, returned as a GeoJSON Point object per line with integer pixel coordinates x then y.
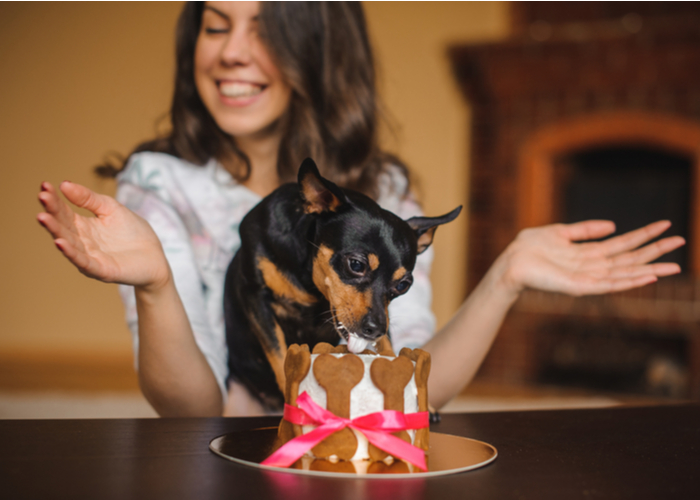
{"type": "Point", "coordinates": [370, 328]}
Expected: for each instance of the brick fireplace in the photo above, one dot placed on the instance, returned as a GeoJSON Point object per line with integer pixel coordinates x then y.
{"type": "Point", "coordinates": [590, 110]}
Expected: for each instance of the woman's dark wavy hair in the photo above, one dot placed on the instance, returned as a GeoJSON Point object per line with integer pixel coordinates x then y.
{"type": "Point", "coordinates": [323, 51]}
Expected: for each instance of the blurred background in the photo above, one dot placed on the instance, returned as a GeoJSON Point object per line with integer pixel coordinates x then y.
{"type": "Point", "coordinates": [527, 113]}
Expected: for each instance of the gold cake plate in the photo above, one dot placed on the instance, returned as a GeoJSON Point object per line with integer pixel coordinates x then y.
{"type": "Point", "coordinates": [447, 455]}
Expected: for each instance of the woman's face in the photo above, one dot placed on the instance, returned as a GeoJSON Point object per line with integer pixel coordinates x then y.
{"type": "Point", "coordinates": [234, 73]}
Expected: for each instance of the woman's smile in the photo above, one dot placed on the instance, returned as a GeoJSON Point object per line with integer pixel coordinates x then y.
{"type": "Point", "coordinates": [236, 77]}
{"type": "Point", "coordinates": [237, 90]}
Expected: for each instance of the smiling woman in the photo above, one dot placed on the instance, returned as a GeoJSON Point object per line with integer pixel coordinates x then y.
{"type": "Point", "coordinates": [255, 87]}
{"type": "Point", "coordinates": [235, 75]}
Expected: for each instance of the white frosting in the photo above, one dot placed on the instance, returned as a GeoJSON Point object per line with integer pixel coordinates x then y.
{"type": "Point", "coordinates": [356, 344]}
{"type": "Point", "coordinates": [365, 398]}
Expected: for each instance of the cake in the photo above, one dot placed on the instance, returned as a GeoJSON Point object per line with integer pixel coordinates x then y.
{"type": "Point", "coordinates": [350, 386]}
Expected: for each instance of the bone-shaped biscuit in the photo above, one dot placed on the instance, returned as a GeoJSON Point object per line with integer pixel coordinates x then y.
{"type": "Point", "coordinates": [322, 347]}
{"type": "Point", "coordinates": [325, 347]}
{"type": "Point", "coordinates": [338, 376]}
{"type": "Point", "coordinates": [383, 347]}
{"type": "Point", "coordinates": [328, 466]}
{"type": "Point", "coordinates": [422, 360]}
{"type": "Point", "coordinates": [391, 377]}
{"type": "Point", "coordinates": [296, 366]}
{"type": "Point", "coordinates": [396, 467]}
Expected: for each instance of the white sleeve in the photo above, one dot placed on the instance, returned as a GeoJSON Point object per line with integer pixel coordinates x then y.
{"type": "Point", "coordinates": [171, 231]}
{"type": "Point", "coordinates": [411, 319]}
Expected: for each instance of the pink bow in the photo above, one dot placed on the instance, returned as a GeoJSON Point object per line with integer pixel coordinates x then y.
{"type": "Point", "coordinates": [375, 426]}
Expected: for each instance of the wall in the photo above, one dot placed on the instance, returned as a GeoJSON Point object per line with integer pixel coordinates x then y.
{"type": "Point", "coordinates": [82, 79]}
{"type": "Point", "coordinates": [79, 80]}
{"type": "Point", "coordinates": [432, 118]}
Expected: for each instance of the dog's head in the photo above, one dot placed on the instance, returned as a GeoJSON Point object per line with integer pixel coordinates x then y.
{"type": "Point", "coordinates": [364, 255]}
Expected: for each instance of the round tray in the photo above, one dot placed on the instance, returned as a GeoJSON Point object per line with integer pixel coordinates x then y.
{"type": "Point", "coordinates": [447, 455]}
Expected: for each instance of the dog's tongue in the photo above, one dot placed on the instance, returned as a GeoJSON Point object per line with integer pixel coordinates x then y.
{"type": "Point", "coordinates": [356, 344]}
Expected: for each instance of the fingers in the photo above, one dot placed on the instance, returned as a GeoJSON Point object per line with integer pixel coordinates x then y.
{"type": "Point", "coordinates": [60, 231]}
{"type": "Point", "coordinates": [619, 278]}
{"type": "Point", "coordinates": [665, 269]}
{"type": "Point", "coordinates": [54, 205]}
{"type": "Point", "coordinates": [83, 197]}
{"type": "Point", "coordinates": [634, 239]}
{"type": "Point", "coordinates": [660, 269]}
{"type": "Point", "coordinates": [649, 252]}
{"type": "Point", "coordinates": [588, 230]}
{"type": "Point", "coordinates": [58, 220]}
{"type": "Point", "coordinates": [50, 224]}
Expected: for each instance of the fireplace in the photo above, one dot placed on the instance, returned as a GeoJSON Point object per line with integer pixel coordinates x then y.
{"type": "Point", "coordinates": [633, 185]}
{"type": "Point", "coordinates": [590, 111]}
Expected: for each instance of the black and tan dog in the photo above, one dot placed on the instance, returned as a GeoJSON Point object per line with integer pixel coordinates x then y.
{"type": "Point", "coordinates": [316, 263]}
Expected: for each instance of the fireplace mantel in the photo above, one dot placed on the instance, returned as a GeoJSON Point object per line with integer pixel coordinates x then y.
{"type": "Point", "coordinates": [584, 84]}
{"type": "Point", "coordinates": [528, 97]}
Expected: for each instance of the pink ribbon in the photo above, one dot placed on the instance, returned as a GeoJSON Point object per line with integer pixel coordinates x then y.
{"type": "Point", "coordinates": [375, 426]}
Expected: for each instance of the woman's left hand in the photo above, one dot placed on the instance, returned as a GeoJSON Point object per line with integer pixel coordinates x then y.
{"type": "Point", "coordinates": [557, 258]}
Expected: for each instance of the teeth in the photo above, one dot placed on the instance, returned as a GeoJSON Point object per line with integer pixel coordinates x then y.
{"type": "Point", "coordinates": [356, 344]}
{"type": "Point", "coordinates": [238, 89]}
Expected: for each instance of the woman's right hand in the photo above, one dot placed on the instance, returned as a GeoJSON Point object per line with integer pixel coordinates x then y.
{"type": "Point", "coordinates": [115, 246]}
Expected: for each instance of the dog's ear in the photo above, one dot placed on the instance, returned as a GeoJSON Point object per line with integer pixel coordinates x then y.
{"type": "Point", "coordinates": [319, 194]}
{"type": "Point", "coordinates": [425, 227]}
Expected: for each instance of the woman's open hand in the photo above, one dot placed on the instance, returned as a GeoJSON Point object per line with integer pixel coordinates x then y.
{"type": "Point", "coordinates": [115, 246]}
{"type": "Point", "coordinates": [557, 258]}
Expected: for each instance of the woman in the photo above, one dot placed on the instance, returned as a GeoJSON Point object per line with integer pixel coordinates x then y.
{"type": "Point", "coordinates": [259, 87]}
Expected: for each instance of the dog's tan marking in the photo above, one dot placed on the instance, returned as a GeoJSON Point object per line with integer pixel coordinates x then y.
{"type": "Point", "coordinates": [426, 239]}
{"type": "Point", "coordinates": [280, 285]}
{"type": "Point", "coordinates": [276, 357]}
{"type": "Point", "coordinates": [317, 197]}
{"type": "Point", "coordinates": [399, 273]}
{"type": "Point", "coordinates": [347, 304]}
{"type": "Point", "coordinates": [373, 261]}
{"type": "Point", "coordinates": [280, 310]}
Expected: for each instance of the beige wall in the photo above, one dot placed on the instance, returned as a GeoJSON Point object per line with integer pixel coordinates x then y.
{"type": "Point", "coordinates": [410, 40]}
{"type": "Point", "coordinates": [79, 80]}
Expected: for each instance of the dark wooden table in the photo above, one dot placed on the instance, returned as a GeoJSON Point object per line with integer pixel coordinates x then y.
{"type": "Point", "coordinates": [617, 453]}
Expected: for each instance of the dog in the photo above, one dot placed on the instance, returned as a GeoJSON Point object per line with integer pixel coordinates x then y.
{"type": "Point", "coordinates": [317, 263]}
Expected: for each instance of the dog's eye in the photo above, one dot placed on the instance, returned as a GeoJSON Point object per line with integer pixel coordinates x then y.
{"type": "Point", "coordinates": [402, 287]}
{"type": "Point", "coordinates": [356, 266]}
